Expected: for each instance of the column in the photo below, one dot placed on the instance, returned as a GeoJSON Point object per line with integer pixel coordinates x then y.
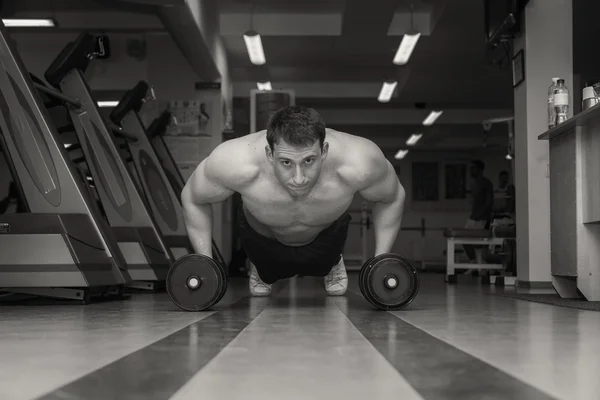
{"type": "Point", "coordinates": [547, 42]}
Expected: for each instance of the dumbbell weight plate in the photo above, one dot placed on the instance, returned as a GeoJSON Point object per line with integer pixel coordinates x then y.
{"type": "Point", "coordinates": [196, 282]}
{"type": "Point", "coordinates": [389, 281]}
{"type": "Point", "coordinates": [225, 280]}
{"type": "Point", "coordinates": [361, 275]}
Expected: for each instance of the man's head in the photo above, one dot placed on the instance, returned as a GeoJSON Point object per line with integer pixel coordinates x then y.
{"type": "Point", "coordinates": [477, 168]}
{"type": "Point", "coordinates": [296, 147]}
{"type": "Point", "coordinates": [503, 179]}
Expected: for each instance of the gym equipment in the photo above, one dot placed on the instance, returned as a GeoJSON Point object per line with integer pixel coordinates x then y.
{"type": "Point", "coordinates": [479, 237]}
{"type": "Point", "coordinates": [61, 247]}
{"type": "Point", "coordinates": [507, 255]}
{"type": "Point", "coordinates": [162, 185]}
{"type": "Point", "coordinates": [144, 249]}
{"type": "Point", "coordinates": [154, 132]}
{"type": "Point", "coordinates": [389, 281]}
{"type": "Point", "coordinates": [196, 282]}
{"type": "Point", "coordinates": [500, 236]}
{"type": "Point", "coordinates": [164, 202]}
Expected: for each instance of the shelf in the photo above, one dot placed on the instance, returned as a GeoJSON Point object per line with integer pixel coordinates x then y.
{"type": "Point", "coordinates": [578, 120]}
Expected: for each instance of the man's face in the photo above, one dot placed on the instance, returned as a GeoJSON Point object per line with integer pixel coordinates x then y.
{"type": "Point", "coordinates": [297, 168]}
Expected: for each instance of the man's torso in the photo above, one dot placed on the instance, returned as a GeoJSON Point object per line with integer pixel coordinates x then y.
{"type": "Point", "coordinates": [273, 212]}
{"type": "Point", "coordinates": [479, 209]}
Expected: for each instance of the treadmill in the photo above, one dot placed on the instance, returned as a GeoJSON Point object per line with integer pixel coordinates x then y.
{"type": "Point", "coordinates": [144, 248]}
{"type": "Point", "coordinates": [61, 247]}
{"type": "Point", "coordinates": [161, 185]}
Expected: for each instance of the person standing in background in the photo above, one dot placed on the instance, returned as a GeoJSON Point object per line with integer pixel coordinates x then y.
{"type": "Point", "coordinates": [482, 203]}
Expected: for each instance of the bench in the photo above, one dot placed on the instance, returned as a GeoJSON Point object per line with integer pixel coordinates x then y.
{"type": "Point", "coordinates": [476, 237]}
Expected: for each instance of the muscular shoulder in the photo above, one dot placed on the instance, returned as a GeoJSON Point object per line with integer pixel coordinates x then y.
{"type": "Point", "coordinates": [232, 164]}
{"type": "Point", "coordinates": [362, 163]}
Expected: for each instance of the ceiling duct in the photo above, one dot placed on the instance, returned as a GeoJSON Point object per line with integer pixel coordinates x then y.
{"type": "Point", "coordinates": [186, 21]}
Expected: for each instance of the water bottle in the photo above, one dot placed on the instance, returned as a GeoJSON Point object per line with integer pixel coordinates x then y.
{"type": "Point", "coordinates": [561, 101]}
{"type": "Point", "coordinates": [551, 112]}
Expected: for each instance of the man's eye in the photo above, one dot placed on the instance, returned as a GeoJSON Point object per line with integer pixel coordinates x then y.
{"type": "Point", "coordinates": [286, 163]}
{"type": "Point", "coordinates": [309, 160]}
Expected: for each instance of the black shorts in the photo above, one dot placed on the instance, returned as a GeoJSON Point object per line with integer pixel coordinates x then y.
{"type": "Point", "coordinates": [275, 261]}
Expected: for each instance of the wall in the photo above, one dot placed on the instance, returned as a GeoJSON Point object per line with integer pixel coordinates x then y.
{"type": "Point", "coordinates": [586, 58]}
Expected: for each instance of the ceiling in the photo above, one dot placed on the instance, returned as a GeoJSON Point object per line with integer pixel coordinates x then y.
{"type": "Point", "coordinates": [337, 53]}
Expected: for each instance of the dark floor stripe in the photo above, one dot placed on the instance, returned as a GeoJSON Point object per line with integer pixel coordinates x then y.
{"type": "Point", "coordinates": [162, 368]}
{"type": "Point", "coordinates": [436, 369]}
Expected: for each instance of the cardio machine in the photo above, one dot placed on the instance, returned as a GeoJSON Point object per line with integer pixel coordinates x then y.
{"type": "Point", "coordinates": [143, 247]}
{"type": "Point", "coordinates": [61, 247]}
{"type": "Point", "coordinates": [161, 185]}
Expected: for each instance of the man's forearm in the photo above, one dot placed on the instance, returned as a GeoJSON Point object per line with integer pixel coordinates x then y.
{"type": "Point", "coordinates": [198, 223]}
{"type": "Point", "coordinates": [387, 219]}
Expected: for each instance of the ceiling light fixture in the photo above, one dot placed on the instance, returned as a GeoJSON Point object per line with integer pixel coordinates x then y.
{"type": "Point", "coordinates": [387, 90]}
{"type": "Point", "coordinates": [108, 103]}
{"type": "Point", "coordinates": [28, 22]}
{"type": "Point", "coordinates": [508, 157]}
{"type": "Point", "coordinates": [401, 154]}
{"type": "Point", "coordinates": [432, 117]}
{"type": "Point", "coordinates": [408, 43]}
{"type": "Point", "coordinates": [255, 48]}
{"type": "Point", "coordinates": [264, 86]}
{"type": "Point", "coordinates": [413, 139]}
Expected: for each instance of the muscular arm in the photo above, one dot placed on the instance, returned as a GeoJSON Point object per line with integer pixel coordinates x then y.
{"type": "Point", "coordinates": [215, 180]}
{"type": "Point", "coordinates": [382, 187]}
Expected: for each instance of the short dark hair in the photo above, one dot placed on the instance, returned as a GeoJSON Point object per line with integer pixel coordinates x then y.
{"type": "Point", "coordinates": [479, 164]}
{"type": "Point", "coordinates": [297, 126]}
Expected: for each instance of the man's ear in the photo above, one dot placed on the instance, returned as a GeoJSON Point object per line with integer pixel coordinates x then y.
{"type": "Point", "coordinates": [325, 150]}
{"type": "Point", "coordinates": [269, 152]}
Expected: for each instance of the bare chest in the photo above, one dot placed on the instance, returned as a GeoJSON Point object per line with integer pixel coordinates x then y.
{"type": "Point", "coordinates": [274, 208]}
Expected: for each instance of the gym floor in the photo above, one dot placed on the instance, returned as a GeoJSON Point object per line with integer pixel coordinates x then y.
{"type": "Point", "coordinates": [453, 342]}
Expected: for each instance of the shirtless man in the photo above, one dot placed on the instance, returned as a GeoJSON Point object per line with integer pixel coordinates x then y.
{"type": "Point", "coordinates": [296, 180]}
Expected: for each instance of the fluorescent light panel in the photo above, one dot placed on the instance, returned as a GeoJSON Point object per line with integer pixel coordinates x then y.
{"type": "Point", "coordinates": [414, 138]}
{"type": "Point", "coordinates": [401, 154]}
{"type": "Point", "coordinates": [432, 117]}
{"type": "Point", "coordinates": [255, 48]}
{"type": "Point", "coordinates": [387, 90]}
{"type": "Point", "coordinates": [109, 103]}
{"type": "Point", "coordinates": [407, 45]}
{"type": "Point", "coordinates": [264, 86]}
{"type": "Point", "coordinates": [28, 22]}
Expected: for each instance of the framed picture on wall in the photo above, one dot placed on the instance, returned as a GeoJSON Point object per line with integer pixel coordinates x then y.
{"type": "Point", "coordinates": [518, 68]}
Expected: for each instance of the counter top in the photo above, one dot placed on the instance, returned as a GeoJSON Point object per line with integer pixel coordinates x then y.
{"type": "Point", "coordinates": [577, 120]}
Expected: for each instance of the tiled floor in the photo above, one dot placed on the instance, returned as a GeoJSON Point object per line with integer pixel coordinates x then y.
{"type": "Point", "coordinates": [453, 342]}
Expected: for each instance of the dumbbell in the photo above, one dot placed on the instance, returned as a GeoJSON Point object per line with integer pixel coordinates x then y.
{"type": "Point", "coordinates": [196, 282]}
{"type": "Point", "coordinates": [389, 281]}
